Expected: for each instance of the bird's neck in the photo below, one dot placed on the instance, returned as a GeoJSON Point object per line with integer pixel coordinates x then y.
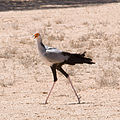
{"type": "Point", "coordinates": [41, 46]}
{"type": "Point", "coordinates": [39, 39]}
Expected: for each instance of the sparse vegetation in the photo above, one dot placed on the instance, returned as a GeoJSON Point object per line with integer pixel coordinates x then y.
{"type": "Point", "coordinates": [8, 52]}
{"type": "Point", "coordinates": [75, 44]}
{"type": "Point", "coordinates": [8, 66]}
{"type": "Point", "coordinates": [15, 25]}
{"type": "Point", "coordinates": [51, 38]}
{"type": "Point", "coordinates": [108, 76]}
{"type": "Point", "coordinates": [48, 24]}
{"type": "Point", "coordinates": [25, 80]}
{"type": "Point", "coordinates": [58, 21]}
{"type": "Point", "coordinates": [28, 60]}
{"type": "Point", "coordinates": [84, 37]}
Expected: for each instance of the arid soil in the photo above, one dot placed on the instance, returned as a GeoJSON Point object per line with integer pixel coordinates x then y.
{"type": "Point", "coordinates": [25, 80]}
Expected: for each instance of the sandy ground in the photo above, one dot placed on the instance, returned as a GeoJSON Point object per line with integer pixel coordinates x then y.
{"type": "Point", "coordinates": [25, 80]}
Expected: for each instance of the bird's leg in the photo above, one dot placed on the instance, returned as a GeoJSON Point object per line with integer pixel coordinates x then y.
{"type": "Point", "coordinates": [67, 76]}
{"type": "Point", "coordinates": [53, 68]}
{"type": "Point", "coordinates": [74, 89]}
{"type": "Point", "coordinates": [49, 93]}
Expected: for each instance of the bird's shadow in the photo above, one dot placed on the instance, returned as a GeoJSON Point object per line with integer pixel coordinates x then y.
{"type": "Point", "coordinates": [82, 103]}
{"type": "Point", "coordinates": [43, 103]}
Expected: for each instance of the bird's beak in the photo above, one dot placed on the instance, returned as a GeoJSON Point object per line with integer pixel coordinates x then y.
{"type": "Point", "coordinates": [33, 36]}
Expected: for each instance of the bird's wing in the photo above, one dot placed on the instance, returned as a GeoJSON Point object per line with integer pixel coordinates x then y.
{"type": "Point", "coordinates": [51, 49]}
{"type": "Point", "coordinates": [54, 55]}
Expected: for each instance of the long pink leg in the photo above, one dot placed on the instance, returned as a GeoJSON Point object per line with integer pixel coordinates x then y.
{"type": "Point", "coordinates": [49, 93]}
{"type": "Point", "coordinates": [74, 90]}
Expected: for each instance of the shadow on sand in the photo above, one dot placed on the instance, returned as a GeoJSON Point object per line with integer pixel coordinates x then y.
{"type": "Point", "coordinates": [7, 5]}
{"type": "Point", "coordinates": [82, 103]}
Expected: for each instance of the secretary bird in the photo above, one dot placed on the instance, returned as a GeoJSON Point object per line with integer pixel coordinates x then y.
{"type": "Point", "coordinates": [56, 58]}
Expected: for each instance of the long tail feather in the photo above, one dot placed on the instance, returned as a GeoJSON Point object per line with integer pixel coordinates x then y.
{"type": "Point", "coordinates": [78, 59]}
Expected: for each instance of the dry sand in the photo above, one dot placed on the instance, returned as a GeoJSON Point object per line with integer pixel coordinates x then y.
{"type": "Point", "coordinates": [25, 80]}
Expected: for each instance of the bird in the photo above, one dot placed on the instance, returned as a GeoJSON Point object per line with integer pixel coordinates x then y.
{"type": "Point", "coordinates": [56, 58]}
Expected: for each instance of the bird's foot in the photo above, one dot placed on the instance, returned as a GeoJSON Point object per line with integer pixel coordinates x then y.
{"type": "Point", "coordinates": [79, 100]}
{"type": "Point", "coordinates": [46, 102]}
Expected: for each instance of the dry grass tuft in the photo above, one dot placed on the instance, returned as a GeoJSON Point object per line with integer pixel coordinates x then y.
{"type": "Point", "coordinates": [51, 37]}
{"type": "Point", "coordinates": [58, 22]}
{"type": "Point", "coordinates": [15, 25]}
{"type": "Point", "coordinates": [26, 41]}
{"type": "Point", "coordinates": [86, 23]}
{"type": "Point", "coordinates": [60, 36]}
{"type": "Point", "coordinates": [80, 42]}
{"type": "Point", "coordinates": [75, 44]}
{"type": "Point", "coordinates": [108, 76]}
{"type": "Point", "coordinates": [48, 24]}
{"type": "Point", "coordinates": [100, 35]}
{"type": "Point", "coordinates": [8, 52]}
{"type": "Point", "coordinates": [7, 75]}
{"type": "Point", "coordinates": [91, 44]}
{"type": "Point", "coordinates": [28, 60]}
{"type": "Point", "coordinates": [118, 59]}
{"type": "Point", "coordinates": [85, 37]}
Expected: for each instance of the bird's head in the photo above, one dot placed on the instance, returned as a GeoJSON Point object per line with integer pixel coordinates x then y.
{"type": "Point", "coordinates": [36, 36]}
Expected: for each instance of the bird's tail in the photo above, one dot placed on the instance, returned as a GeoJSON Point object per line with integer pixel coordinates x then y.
{"type": "Point", "coordinates": [78, 59]}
